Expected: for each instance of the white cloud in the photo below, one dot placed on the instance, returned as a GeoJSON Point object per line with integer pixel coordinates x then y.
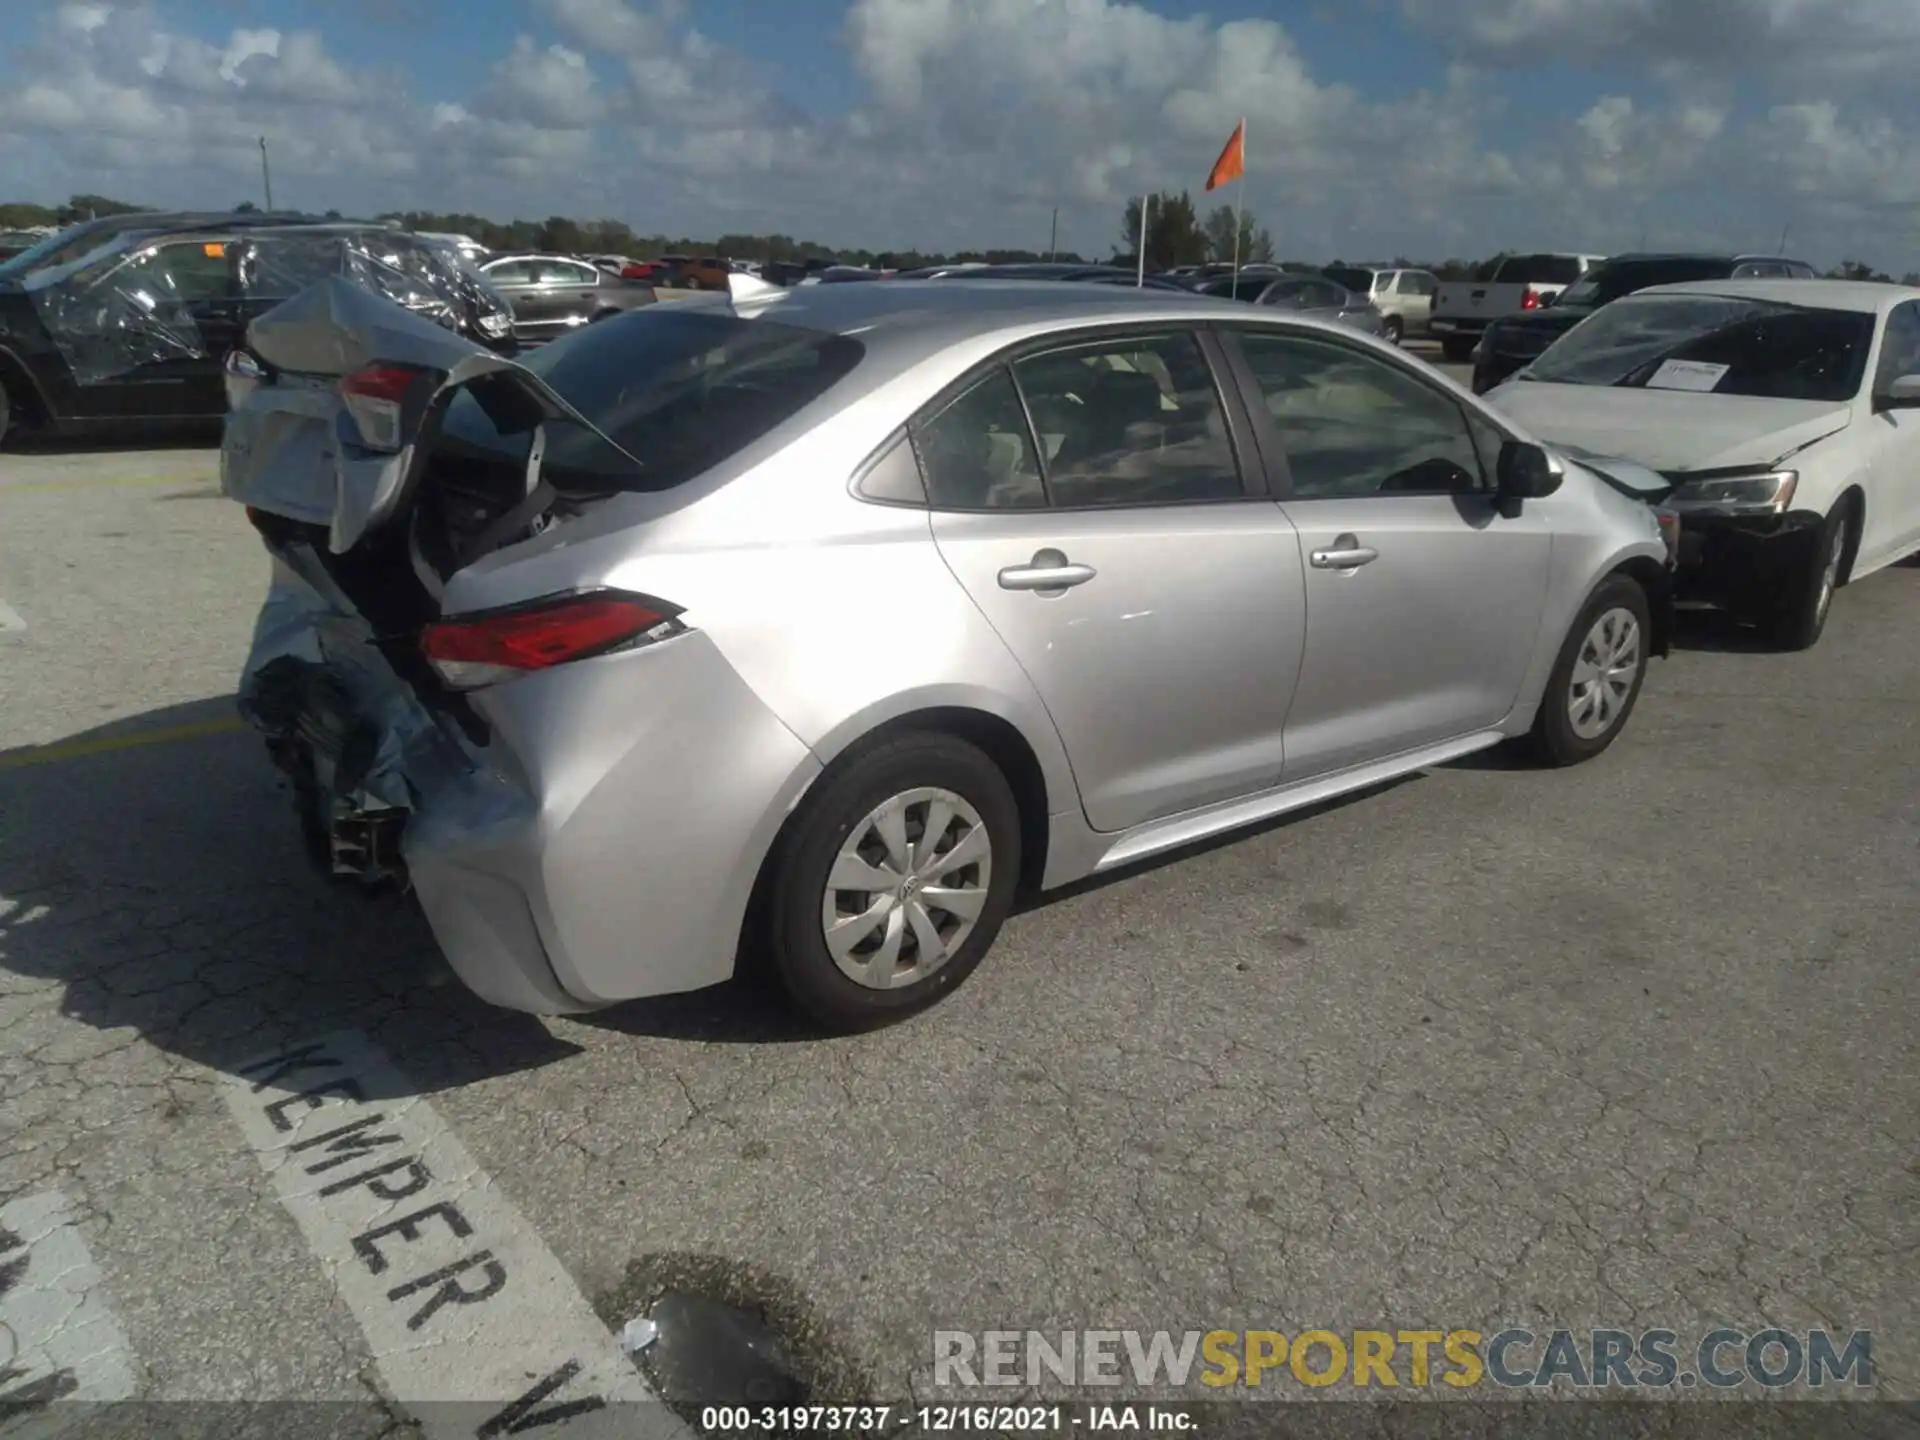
{"type": "Point", "coordinates": [971, 120]}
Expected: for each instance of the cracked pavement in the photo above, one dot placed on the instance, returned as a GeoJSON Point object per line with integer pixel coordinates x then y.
{"type": "Point", "coordinates": [1631, 1045]}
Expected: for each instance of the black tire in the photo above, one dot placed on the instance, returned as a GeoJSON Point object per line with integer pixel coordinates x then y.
{"type": "Point", "coordinates": [599, 315]}
{"type": "Point", "coordinates": [7, 413]}
{"type": "Point", "coordinates": [1394, 330]}
{"type": "Point", "coordinates": [1554, 739]}
{"type": "Point", "coordinates": [808, 847]}
{"type": "Point", "coordinates": [1802, 609]}
{"type": "Point", "coordinates": [1458, 352]}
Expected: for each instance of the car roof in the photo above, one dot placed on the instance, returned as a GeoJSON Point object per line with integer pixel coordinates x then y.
{"type": "Point", "coordinates": [914, 320]}
{"type": "Point", "coordinates": [1649, 257]}
{"type": "Point", "coordinates": [1865, 296]}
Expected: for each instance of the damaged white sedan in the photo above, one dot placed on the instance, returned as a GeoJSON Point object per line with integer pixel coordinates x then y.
{"type": "Point", "coordinates": [830, 617]}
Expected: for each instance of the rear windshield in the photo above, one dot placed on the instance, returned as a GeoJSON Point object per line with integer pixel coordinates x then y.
{"type": "Point", "coordinates": [680, 390]}
{"type": "Point", "coordinates": [1717, 344]}
{"type": "Point", "coordinates": [1360, 282]}
{"type": "Point", "coordinates": [1537, 270]}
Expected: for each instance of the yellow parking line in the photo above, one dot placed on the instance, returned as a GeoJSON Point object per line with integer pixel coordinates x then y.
{"type": "Point", "coordinates": [107, 744]}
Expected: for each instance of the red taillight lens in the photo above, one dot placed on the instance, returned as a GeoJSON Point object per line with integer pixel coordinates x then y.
{"type": "Point", "coordinates": [636, 272]}
{"type": "Point", "coordinates": [380, 382]}
{"type": "Point", "coordinates": [1530, 300]}
{"type": "Point", "coordinates": [375, 397]}
{"type": "Point", "coordinates": [483, 649]}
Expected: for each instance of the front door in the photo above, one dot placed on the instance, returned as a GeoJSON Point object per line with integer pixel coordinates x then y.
{"type": "Point", "coordinates": [1423, 602]}
{"type": "Point", "coordinates": [1103, 528]}
{"type": "Point", "coordinates": [150, 335]}
{"type": "Point", "coordinates": [1892, 526]}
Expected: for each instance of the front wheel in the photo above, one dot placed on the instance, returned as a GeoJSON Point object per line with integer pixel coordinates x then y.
{"type": "Point", "coordinates": [1394, 330]}
{"type": "Point", "coordinates": [1596, 679]}
{"type": "Point", "coordinates": [1802, 614]}
{"type": "Point", "coordinates": [892, 880]}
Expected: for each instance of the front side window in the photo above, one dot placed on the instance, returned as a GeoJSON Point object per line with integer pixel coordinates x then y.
{"type": "Point", "coordinates": [1900, 347]}
{"type": "Point", "coordinates": [1354, 425]}
{"type": "Point", "coordinates": [187, 271]}
{"type": "Point", "coordinates": [1130, 422]}
{"type": "Point", "coordinates": [1718, 344]}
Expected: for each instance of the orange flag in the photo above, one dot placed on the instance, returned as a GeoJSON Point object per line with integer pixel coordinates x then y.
{"type": "Point", "coordinates": [1232, 163]}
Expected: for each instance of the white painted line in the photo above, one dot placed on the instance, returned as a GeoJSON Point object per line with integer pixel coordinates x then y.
{"type": "Point", "coordinates": [10, 618]}
{"type": "Point", "coordinates": [59, 1339]}
{"type": "Point", "coordinates": [458, 1297]}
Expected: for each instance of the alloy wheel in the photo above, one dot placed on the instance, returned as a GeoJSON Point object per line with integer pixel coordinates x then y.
{"type": "Point", "coordinates": [906, 888]}
{"type": "Point", "coordinates": [1604, 673]}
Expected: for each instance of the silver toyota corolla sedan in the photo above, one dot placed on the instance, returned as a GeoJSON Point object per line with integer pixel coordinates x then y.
{"type": "Point", "coordinates": [826, 621]}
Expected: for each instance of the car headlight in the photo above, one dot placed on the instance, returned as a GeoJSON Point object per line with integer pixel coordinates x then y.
{"type": "Point", "coordinates": [1766, 492]}
{"type": "Point", "coordinates": [494, 326]}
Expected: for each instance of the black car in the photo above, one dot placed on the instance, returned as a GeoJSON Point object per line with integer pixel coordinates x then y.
{"type": "Point", "coordinates": [1512, 343]}
{"type": "Point", "coordinates": [128, 321]}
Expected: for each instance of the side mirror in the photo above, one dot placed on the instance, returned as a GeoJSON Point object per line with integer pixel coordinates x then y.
{"type": "Point", "coordinates": [1902, 394]}
{"type": "Point", "coordinates": [1526, 472]}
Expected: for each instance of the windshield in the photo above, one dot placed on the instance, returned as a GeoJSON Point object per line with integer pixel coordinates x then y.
{"type": "Point", "coordinates": [1718, 344]}
{"type": "Point", "coordinates": [1360, 282]}
{"type": "Point", "coordinates": [681, 391]}
{"type": "Point", "coordinates": [1610, 282]}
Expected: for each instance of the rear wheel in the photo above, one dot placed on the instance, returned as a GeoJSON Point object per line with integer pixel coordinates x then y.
{"type": "Point", "coordinates": [892, 881]}
{"type": "Point", "coordinates": [7, 412]}
{"type": "Point", "coordinates": [1802, 614]}
{"type": "Point", "coordinates": [1458, 352]}
{"type": "Point", "coordinates": [1596, 679]}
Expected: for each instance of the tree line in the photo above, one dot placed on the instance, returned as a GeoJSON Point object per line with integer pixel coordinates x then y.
{"type": "Point", "coordinates": [1177, 234]}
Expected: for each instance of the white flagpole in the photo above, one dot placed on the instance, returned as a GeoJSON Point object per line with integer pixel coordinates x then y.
{"type": "Point", "coordinates": [1239, 205]}
{"type": "Point", "coordinates": [1140, 276]}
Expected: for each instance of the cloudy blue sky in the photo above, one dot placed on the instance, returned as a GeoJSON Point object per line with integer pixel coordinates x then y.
{"type": "Point", "coordinates": [1377, 127]}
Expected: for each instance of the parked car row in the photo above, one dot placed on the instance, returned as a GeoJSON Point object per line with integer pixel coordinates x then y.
{"type": "Point", "coordinates": [131, 318]}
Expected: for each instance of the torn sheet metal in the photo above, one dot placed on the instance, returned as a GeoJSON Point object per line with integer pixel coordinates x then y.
{"type": "Point", "coordinates": [291, 447]}
{"type": "Point", "coordinates": [115, 312]}
{"type": "Point", "coordinates": [316, 675]}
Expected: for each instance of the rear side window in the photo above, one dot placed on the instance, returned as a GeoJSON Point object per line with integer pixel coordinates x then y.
{"type": "Point", "coordinates": [977, 454]}
{"type": "Point", "coordinates": [1538, 270]}
{"type": "Point", "coordinates": [681, 392]}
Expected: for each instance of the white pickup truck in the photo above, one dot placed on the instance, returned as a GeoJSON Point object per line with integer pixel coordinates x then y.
{"type": "Point", "coordinates": [1462, 309]}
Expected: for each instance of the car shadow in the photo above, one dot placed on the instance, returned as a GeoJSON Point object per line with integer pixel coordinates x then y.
{"type": "Point", "coordinates": [153, 881]}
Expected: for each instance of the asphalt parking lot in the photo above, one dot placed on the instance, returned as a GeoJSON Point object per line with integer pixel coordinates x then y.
{"type": "Point", "coordinates": [1630, 1045]}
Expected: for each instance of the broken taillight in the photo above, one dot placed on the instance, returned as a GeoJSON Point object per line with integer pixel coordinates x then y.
{"type": "Point", "coordinates": [469, 651]}
{"type": "Point", "coordinates": [376, 398]}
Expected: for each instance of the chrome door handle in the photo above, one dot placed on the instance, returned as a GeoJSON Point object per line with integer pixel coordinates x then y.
{"type": "Point", "coordinates": [1346, 553]}
{"type": "Point", "coordinates": [1048, 570]}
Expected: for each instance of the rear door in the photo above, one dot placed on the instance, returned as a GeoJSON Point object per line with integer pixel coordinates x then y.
{"type": "Point", "coordinates": [1091, 499]}
{"type": "Point", "coordinates": [1423, 602]}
